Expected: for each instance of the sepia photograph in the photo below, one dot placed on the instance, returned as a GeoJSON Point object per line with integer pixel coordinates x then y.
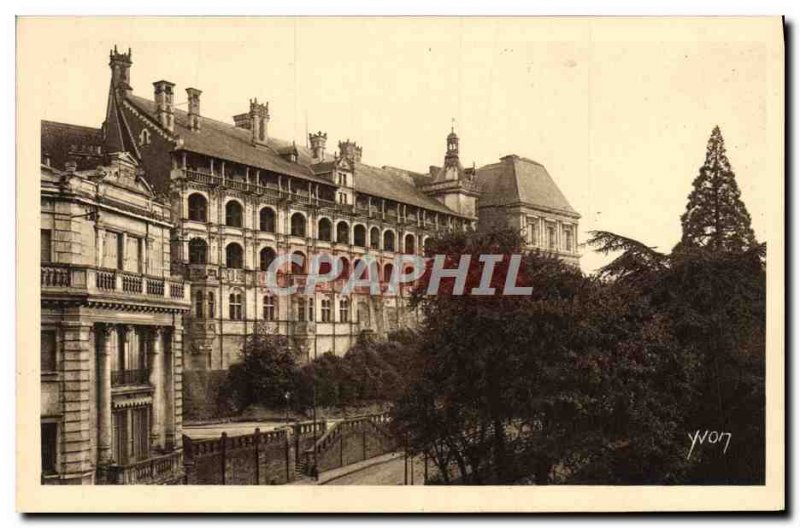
{"type": "Point", "coordinates": [453, 254]}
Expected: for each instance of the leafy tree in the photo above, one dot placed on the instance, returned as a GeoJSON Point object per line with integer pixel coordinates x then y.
{"type": "Point", "coordinates": [715, 215]}
{"type": "Point", "coordinates": [265, 373]}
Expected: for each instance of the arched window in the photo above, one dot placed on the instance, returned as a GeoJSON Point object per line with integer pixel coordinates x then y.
{"type": "Point", "coordinates": [360, 236]}
{"type": "Point", "coordinates": [298, 227]}
{"type": "Point", "coordinates": [266, 220]}
{"type": "Point", "coordinates": [324, 229]}
{"type": "Point", "coordinates": [235, 306]}
{"type": "Point", "coordinates": [410, 244]}
{"type": "Point", "coordinates": [265, 258]}
{"type": "Point", "coordinates": [388, 241]}
{"type": "Point", "coordinates": [299, 269]}
{"type": "Point", "coordinates": [342, 233]}
{"type": "Point", "coordinates": [426, 244]}
{"type": "Point", "coordinates": [198, 208]}
{"type": "Point", "coordinates": [375, 238]}
{"type": "Point", "coordinates": [387, 272]}
{"type": "Point", "coordinates": [344, 268]}
{"type": "Point", "coordinates": [198, 251]}
{"type": "Point", "coordinates": [233, 256]}
{"type": "Point", "coordinates": [211, 305]}
{"type": "Point", "coordinates": [233, 214]}
{"type": "Point", "coordinates": [324, 267]}
{"type": "Point", "coordinates": [269, 307]}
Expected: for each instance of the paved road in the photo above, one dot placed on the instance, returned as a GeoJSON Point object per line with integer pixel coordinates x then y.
{"type": "Point", "coordinates": [389, 473]}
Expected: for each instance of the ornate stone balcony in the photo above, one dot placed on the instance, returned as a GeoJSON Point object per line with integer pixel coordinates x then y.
{"type": "Point", "coordinates": [101, 284]}
{"type": "Point", "coordinates": [164, 469]}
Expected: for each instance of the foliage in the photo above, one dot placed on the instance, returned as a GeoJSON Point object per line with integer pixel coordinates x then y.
{"type": "Point", "coordinates": [715, 215]}
{"type": "Point", "coordinates": [265, 374]}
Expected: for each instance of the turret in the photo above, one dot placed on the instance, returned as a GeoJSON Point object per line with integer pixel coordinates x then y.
{"type": "Point", "coordinates": [120, 64]}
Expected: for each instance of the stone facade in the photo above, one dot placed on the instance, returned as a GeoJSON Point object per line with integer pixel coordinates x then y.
{"type": "Point", "coordinates": [111, 331]}
{"type": "Point", "coordinates": [235, 198]}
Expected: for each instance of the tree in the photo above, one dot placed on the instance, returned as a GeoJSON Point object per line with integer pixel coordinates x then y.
{"type": "Point", "coordinates": [265, 373]}
{"type": "Point", "coordinates": [541, 386]}
{"type": "Point", "coordinates": [715, 217]}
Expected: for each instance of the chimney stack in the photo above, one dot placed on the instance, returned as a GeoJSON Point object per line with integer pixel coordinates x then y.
{"type": "Point", "coordinates": [317, 142]}
{"type": "Point", "coordinates": [193, 94]}
{"type": "Point", "coordinates": [350, 150]}
{"type": "Point", "coordinates": [259, 119]}
{"type": "Point", "coordinates": [163, 98]}
{"type": "Point", "coordinates": [120, 64]}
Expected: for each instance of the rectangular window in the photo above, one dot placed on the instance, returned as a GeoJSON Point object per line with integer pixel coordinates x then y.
{"type": "Point", "coordinates": [269, 308]}
{"type": "Point", "coordinates": [119, 443]}
{"type": "Point", "coordinates": [49, 356]}
{"type": "Point", "coordinates": [120, 252]}
{"type": "Point", "coordinates": [140, 438]}
{"type": "Point", "coordinates": [47, 245]}
{"type": "Point", "coordinates": [301, 309]}
{"type": "Point", "coordinates": [198, 304]}
{"type": "Point", "coordinates": [551, 238]}
{"type": "Point", "coordinates": [133, 254]}
{"type": "Point", "coordinates": [567, 242]}
{"type": "Point", "coordinates": [235, 306]}
{"type": "Point", "coordinates": [533, 231]}
{"type": "Point", "coordinates": [344, 310]}
{"type": "Point", "coordinates": [326, 310]}
{"type": "Point", "coordinates": [49, 447]}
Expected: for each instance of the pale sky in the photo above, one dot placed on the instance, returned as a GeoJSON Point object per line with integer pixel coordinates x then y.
{"type": "Point", "coordinates": [619, 111]}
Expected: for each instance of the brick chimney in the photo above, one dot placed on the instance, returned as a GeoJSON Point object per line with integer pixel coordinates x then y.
{"type": "Point", "coordinates": [163, 98]}
{"type": "Point", "coordinates": [317, 142]}
{"type": "Point", "coordinates": [120, 64]}
{"type": "Point", "coordinates": [350, 150]}
{"type": "Point", "coordinates": [193, 95]}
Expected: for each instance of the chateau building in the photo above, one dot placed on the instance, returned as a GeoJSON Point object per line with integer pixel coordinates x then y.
{"type": "Point", "coordinates": [240, 197]}
{"type": "Point", "coordinates": [112, 328]}
{"type": "Point", "coordinates": [519, 193]}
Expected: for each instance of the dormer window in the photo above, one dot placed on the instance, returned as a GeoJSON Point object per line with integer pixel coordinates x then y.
{"type": "Point", "coordinates": [342, 179]}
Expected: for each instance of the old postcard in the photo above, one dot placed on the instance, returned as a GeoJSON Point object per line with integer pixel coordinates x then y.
{"type": "Point", "coordinates": [467, 264]}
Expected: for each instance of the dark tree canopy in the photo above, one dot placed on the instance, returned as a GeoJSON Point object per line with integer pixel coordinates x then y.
{"type": "Point", "coordinates": [715, 217]}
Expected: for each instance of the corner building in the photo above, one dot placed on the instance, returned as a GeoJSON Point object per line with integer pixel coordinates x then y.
{"type": "Point", "coordinates": [111, 328]}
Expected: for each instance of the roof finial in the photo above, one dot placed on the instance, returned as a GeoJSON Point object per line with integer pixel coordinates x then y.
{"type": "Point", "coordinates": [452, 124]}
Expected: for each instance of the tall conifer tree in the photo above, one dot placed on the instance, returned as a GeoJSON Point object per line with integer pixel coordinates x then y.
{"type": "Point", "coordinates": [715, 217]}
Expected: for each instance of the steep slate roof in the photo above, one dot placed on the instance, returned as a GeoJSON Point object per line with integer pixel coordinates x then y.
{"type": "Point", "coordinates": [519, 180]}
{"type": "Point", "coordinates": [226, 141]}
{"type": "Point", "coordinates": [390, 184]}
{"type": "Point", "coordinates": [59, 141]}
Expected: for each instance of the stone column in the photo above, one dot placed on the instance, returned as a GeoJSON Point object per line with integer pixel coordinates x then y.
{"type": "Point", "coordinates": [169, 393]}
{"type": "Point", "coordinates": [100, 240]}
{"type": "Point", "coordinates": [157, 382]}
{"type": "Point", "coordinates": [104, 352]}
{"type": "Point", "coordinates": [130, 332]}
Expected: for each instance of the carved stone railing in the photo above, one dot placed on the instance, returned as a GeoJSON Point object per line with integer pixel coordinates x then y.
{"type": "Point", "coordinates": [77, 279]}
{"type": "Point", "coordinates": [120, 378]}
{"type": "Point", "coordinates": [156, 470]}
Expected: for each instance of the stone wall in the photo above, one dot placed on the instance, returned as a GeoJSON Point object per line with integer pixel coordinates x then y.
{"type": "Point", "coordinates": [255, 459]}
{"type": "Point", "coordinates": [351, 441]}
